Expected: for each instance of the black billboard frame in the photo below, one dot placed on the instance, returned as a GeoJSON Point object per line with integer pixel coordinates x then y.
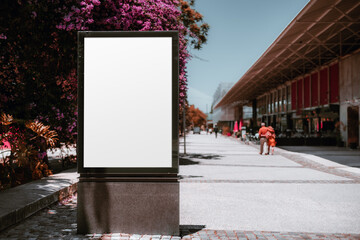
{"type": "Point", "coordinates": [88, 173]}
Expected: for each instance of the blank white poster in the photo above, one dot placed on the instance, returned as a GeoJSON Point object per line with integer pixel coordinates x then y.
{"type": "Point", "coordinates": [127, 102]}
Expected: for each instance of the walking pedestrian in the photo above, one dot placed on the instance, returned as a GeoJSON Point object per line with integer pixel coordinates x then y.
{"type": "Point", "coordinates": [216, 131]}
{"type": "Point", "coordinates": [271, 140]}
{"type": "Point", "coordinates": [262, 135]}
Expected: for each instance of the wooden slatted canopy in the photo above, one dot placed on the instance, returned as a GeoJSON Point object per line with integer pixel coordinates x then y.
{"type": "Point", "coordinates": [323, 31]}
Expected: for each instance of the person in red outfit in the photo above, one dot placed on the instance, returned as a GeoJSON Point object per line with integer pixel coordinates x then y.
{"type": "Point", "coordinates": [271, 140]}
{"type": "Point", "coordinates": [262, 135]}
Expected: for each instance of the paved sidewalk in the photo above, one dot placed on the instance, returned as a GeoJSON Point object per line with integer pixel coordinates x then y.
{"type": "Point", "coordinates": [23, 201]}
{"type": "Point", "coordinates": [229, 191]}
{"type": "Point", "coordinates": [236, 188]}
{"type": "Point", "coordinates": [341, 155]}
{"type": "Point", "coordinates": [59, 222]}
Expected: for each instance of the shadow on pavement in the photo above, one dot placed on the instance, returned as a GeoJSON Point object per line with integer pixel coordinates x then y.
{"type": "Point", "coordinates": [188, 158]}
{"type": "Point", "coordinates": [190, 229]}
{"type": "Point", "coordinates": [204, 156]}
{"type": "Point", "coordinates": [188, 176]}
{"type": "Point", "coordinates": [58, 165]}
{"type": "Point", "coordinates": [186, 161]}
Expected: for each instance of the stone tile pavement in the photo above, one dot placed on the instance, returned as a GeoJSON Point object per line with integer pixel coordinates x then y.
{"type": "Point", "coordinates": [238, 189]}
{"type": "Point", "coordinates": [22, 201]}
{"type": "Point", "coordinates": [341, 155]}
{"type": "Point", "coordinates": [234, 191]}
{"type": "Point", "coordinates": [58, 221]}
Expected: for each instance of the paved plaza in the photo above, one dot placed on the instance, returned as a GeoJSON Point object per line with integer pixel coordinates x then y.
{"type": "Point", "coordinates": [229, 191]}
{"type": "Point", "coordinates": [342, 155]}
{"type": "Point", "coordinates": [228, 185]}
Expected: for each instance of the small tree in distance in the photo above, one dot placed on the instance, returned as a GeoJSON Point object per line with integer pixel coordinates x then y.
{"type": "Point", "coordinates": [196, 117]}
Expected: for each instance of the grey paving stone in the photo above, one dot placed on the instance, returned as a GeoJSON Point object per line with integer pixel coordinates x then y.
{"type": "Point", "coordinates": [58, 221]}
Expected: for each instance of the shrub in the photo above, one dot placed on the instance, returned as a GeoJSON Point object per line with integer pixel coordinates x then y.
{"type": "Point", "coordinates": [29, 142]}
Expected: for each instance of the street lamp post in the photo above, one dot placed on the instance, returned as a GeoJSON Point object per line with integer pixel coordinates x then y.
{"type": "Point", "coordinates": [207, 115]}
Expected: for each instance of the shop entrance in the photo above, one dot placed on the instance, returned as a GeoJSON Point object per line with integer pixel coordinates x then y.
{"type": "Point", "coordinates": [353, 126]}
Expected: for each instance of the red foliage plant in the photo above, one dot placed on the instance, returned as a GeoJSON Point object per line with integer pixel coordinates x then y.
{"type": "Point", "coordinates": [29, 142]}
{"type": "Point", "coordinates": [38, 50]}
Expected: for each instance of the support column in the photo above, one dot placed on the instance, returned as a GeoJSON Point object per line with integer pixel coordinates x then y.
{"type": "Point", "coordinates": [254, 113]}
{"type": "Point", "coordinates": [145, 206]}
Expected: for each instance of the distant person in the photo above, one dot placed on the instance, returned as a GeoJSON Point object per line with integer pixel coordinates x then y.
{"type": "Point", "coordinates": [262, 135]}
{"type": "Point", "coordinates": [207, 131]}
{"type": "Point", "coordinates": [216, 131]}
{"type": "Point", "coordinates": [271, 140]}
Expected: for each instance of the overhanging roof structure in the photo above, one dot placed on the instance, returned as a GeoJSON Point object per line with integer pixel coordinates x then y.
{"type": "Point", "coordinates": [323, 31]}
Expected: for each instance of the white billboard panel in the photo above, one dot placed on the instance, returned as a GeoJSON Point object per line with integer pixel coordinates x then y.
{"type": "Point", "coordinates": [127, 115]}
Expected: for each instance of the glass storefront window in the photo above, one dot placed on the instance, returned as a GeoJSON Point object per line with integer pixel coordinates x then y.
{"type": "Point", "coordinates": [315, 125]}
{"type": "Point", "coordinates": [283, 123]}
{"type": "Point", "coordinates": [299, 125]}
{"type": "Point", "coordinates": [259, 106]}
{"type": "Point", "coordinates": [270, 103]}
{"type": "Point", "coordinates": [263, 105]}
{"type": "Point", "coordinates": [283, 98]}
{"type": "Point", "coordinates": [279, 101]}
{"type": "Point", "coordinates": [275, 102]}
{"type": "Point", "coordinates": [288, 99]}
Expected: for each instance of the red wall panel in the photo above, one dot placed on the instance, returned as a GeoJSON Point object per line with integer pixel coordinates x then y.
{"type": "Point", "coordinates": [299, 93]}
{"type": "Point", "coordinates": [314, 89]}
{"type": "Point", "coordinates": [306, 92]}
{"type": "Point", "coordinates": [334, 83]}
{"type": "Point", "coordinates": [324, 86]}
{"type": "Point", "coordinates": [293, 96]}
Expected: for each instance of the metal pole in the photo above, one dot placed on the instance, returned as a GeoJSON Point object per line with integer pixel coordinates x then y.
{"type": "Point", "coordinates": [184, 120]}
{"type": "Point", "coordinates": [207, 114]}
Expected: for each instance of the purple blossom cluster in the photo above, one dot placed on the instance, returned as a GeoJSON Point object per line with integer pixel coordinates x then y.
{"type": "Point", "coordinates": [38, 58]}
{"type": "Point", "coordinates": [130, 15]}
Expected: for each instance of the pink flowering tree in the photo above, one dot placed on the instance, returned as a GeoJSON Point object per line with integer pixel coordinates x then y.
{"type": "Point", "coordinates": [38, 50]}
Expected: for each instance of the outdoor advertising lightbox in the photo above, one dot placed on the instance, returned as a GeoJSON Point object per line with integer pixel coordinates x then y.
{"type": "Point", "coordinates": [128, 103]}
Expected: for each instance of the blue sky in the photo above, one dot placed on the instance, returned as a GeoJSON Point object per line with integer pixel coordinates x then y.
{"type": "Point", "coordinates": [240, 32]}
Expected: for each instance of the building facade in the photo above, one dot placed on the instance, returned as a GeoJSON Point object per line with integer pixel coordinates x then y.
{"type": "Point", "coordinates": [222, 116]}
{"type": "Point", "coordinates": [307, 83]}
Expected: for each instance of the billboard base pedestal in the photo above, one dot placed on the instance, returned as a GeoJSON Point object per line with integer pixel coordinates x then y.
{"type": "Point", "coordinates": [133, 207]}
